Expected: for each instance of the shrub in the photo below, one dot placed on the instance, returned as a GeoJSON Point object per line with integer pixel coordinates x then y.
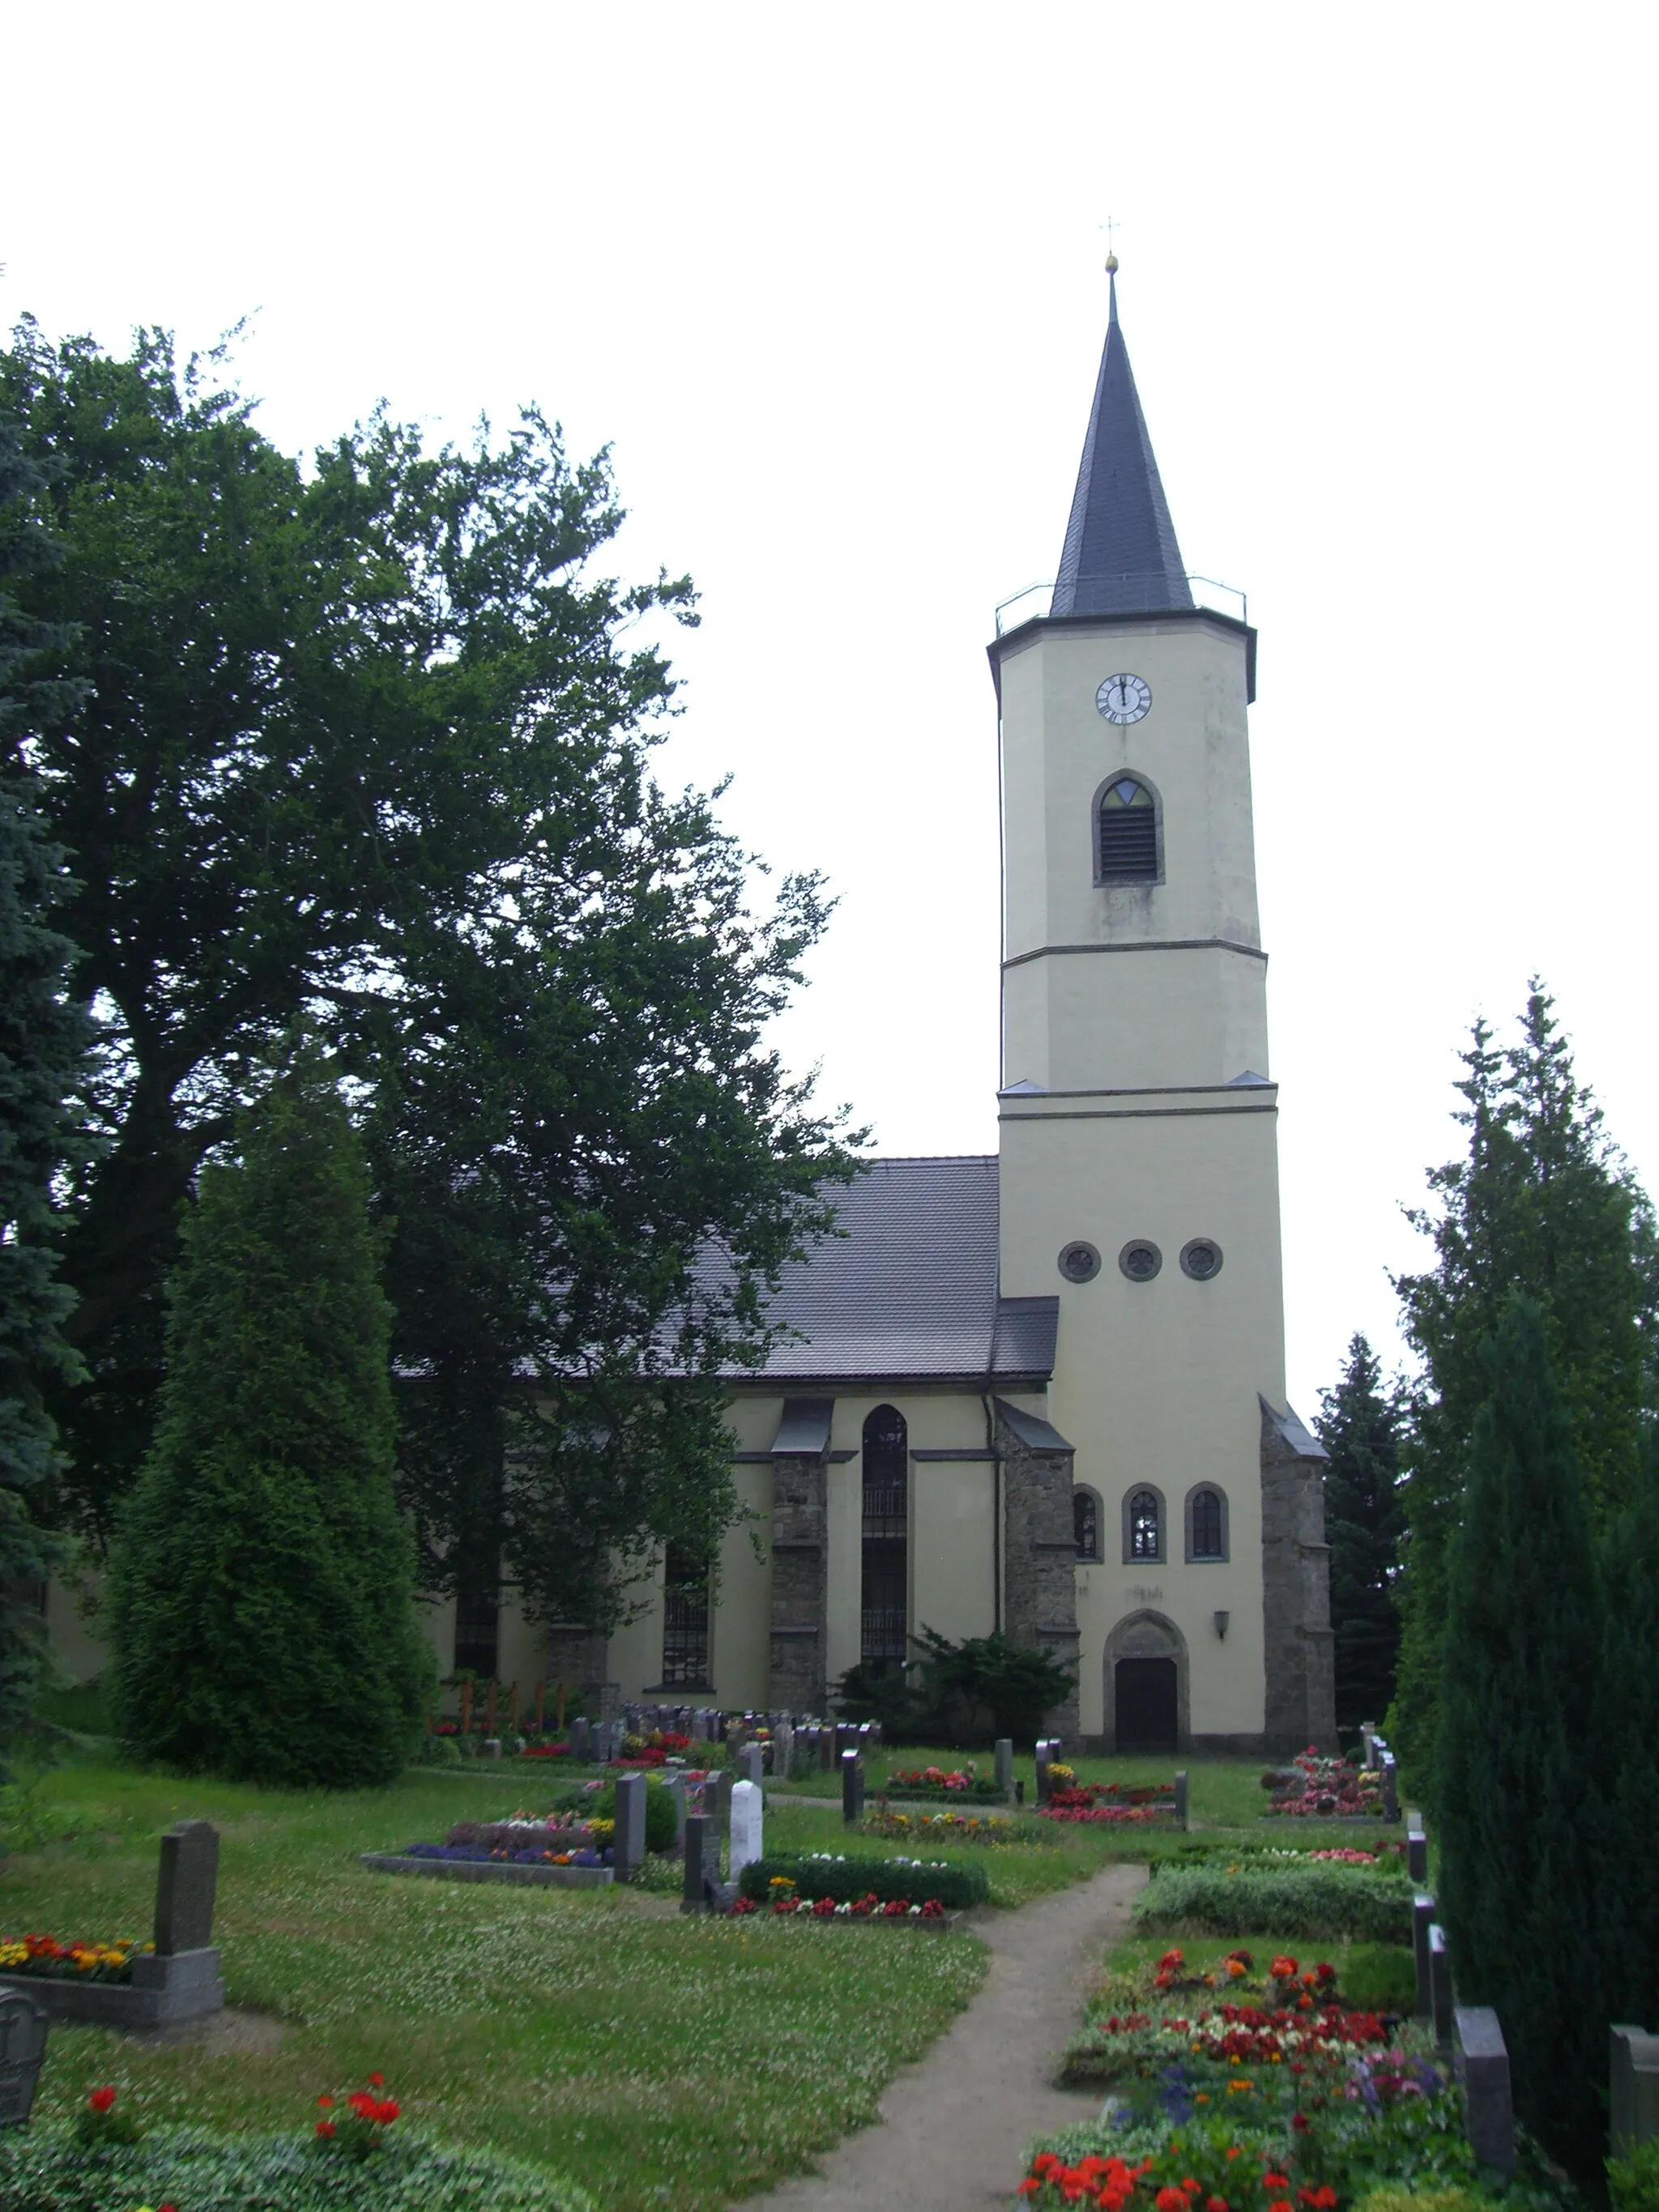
{"type": "Point", "coordinates": [658, 1813]}
{"type": "Point", "coordinates": [440, 1751]}
{"type": "Point", "coordinates": [1423, 2200]}
{"type": "Point", "coordinates": [1380, 1978]}
{"type": "Point", "coordinates": [1633, 2181]}
{"type": "Point", "coordinates": [43, 2170]}
{"type": "Point", "coordinates": [845, 1879]}
{"type": "Point", "coordinates": [1318, 1903]}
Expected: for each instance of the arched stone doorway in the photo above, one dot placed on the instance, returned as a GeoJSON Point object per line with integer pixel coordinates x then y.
{"type": "Point", "coordinates": [1146, 1703]}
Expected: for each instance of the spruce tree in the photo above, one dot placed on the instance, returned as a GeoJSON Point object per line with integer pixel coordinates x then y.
{"type": "Point", "coordinates": [1521, 1824]}
{"type": "Point", "coordinates": [1627, 1748]}
{"type": "Point", "coordinates": [43, 1038]}
{"type": "Point", "coordinates": [1362, 1527]}
{"type": "Point", "coordinates": [261, 1588]}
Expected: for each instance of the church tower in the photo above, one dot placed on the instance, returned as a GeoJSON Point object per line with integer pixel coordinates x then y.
{"type": "Point", "coordinates": [1138, 1152]}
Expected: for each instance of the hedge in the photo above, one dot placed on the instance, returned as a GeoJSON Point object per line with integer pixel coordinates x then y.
{"type": "Point", "coordinates": [1317, 1902]}
{"type": "Point", "coordinates": [44, 2169]}
{"type": "Point", "coordinates": [846, 1879]}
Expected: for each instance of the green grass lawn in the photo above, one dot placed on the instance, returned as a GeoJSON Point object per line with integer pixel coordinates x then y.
{"type": "Point", "coordinates": [659, 2060]}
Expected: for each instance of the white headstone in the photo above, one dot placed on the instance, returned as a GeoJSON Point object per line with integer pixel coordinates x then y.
{"type": "Point", "coordinates": [746, 1821]}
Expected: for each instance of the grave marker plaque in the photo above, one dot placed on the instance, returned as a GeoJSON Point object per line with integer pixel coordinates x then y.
{"type": "Point", "coordinates": [1004, 1764]}
{"type": "Point", "coordinates": [1417, 1854]}
{"type": "Point", "coordinates": [628, 1842]}
{"type": "Point", "coordinates": [185, 1887]}
{"type": "Point", "coordinates": [1483, 2068]}
{"type": "Point", "coordinates": [852, 1788]}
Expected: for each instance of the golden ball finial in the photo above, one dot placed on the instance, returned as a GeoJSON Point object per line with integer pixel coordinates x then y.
{"type": "Point", "coordinates": [1111, 264]}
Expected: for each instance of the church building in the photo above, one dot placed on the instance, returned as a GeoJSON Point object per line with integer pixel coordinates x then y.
{"type": "Point", "coordinates": [1043, 1391]}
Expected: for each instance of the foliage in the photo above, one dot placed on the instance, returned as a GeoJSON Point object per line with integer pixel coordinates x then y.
{"type": "Point", "coordinates": [1358, 1427]}
{"type": "Point", "coordinates": [43, 1043]}
{"type": "Point", "coordinates": [366, 745]}
{"type": "Point", "coordinates": [1543, 1204]}
{"type": "Point", "coordinates": [260, 1599]}
{"type": "Point", "coordinates": [1516, 1754]}
{"type": "Point", "coordinates": [821, 1875]}
{"type": "Point", "coordinates": [1625, 1747]}
{"type": "Point", "coordinates": [45, 2170]}
{"type": "Point", "coordinates": [1380, 1978]}
{"type": "Point", "coordinates": [102, 2122]}
{"type": "Point", "coordinates": [1310, 1902]}
{"type": "Point", "coordinates": [1633, 2179]}
{"type": "Point", "coordinates": [969, 1692]}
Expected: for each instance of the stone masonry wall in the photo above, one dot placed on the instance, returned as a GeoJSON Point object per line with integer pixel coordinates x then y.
{"type": "Point", "coordinates": [1299, 1644]}
{"type": "Point", "coordinates": [1040, 1559]}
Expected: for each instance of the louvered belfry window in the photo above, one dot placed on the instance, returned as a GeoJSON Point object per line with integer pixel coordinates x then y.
{"type": "Point", "coordinates": [884, 1607]}
{"type": "Point", "coordinates": [1126, 834]}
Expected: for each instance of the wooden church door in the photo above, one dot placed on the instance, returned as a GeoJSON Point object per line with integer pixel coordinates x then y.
{"type": "Point", "coordinates": [1146, 1705]}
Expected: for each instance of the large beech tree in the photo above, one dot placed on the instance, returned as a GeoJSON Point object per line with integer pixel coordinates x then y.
{"type": "Point", "coordinates": [366, 744]}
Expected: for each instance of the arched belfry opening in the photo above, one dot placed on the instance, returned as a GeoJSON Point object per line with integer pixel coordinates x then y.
{"type": "Point", "coordinates": [885, 1593]}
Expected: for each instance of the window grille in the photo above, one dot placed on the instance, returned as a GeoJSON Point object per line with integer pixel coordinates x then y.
{"type": "Point", "coordinates": [1144, 1531]}
{"type": "Point", "coordinates": [1085, 1524]}
{"type": "Point", "coordinates": [1206, 1525]}
{"type": "Point", "coordinates": [885, 1599]}
{"type": "Point", "coordinates": [1126, 834]}
{"type": "Point", "coordinates": [684, 1620]}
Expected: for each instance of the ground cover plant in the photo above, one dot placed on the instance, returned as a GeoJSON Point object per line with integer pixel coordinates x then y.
{"type": "Point", "coordinates": [597, 2033]}
{"type": "Point", "coordinates": [1302, 1897]}
{"type": "Point", "coordinates": [843, 1878]}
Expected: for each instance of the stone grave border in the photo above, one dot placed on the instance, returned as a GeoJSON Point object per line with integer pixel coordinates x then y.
{"type": "Point", "coordinates": [526, 1876]}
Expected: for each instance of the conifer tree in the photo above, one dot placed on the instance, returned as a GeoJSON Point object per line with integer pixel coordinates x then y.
{"type": "Point", "coordinates": [262, 1583]}
{"type": "Point", "coordinates": [43, 1038]}
{"type": "Point", "coordinates": [1362, 1526]}
{"type": "Point", "coordinates": [1543, 1203]}
{"type": "Point", "coordinates": [1627, 1748]}
{"type": "Point", "coordinates": [1520, 1817]}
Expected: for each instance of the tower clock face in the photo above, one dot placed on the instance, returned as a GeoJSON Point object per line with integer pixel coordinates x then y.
{"type": "Point", "coordinates": [1124, 698]}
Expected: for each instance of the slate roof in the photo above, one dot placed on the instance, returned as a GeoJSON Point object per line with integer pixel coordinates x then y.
{"type": "Point", "coordinates": [1120, 555]}
{"type": "Point", "coordinates": [908, 1289]}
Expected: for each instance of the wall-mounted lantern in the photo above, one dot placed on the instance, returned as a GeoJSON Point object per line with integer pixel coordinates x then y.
{"type": "Point", "coordinates": [1221, 1621]}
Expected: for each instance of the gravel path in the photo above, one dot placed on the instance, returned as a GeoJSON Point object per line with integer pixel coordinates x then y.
{"type": "Point", "coordinates": [953, 2127]}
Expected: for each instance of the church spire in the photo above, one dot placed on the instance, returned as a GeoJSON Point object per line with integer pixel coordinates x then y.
{"type": "Point", "coordinates": [1121, 556]}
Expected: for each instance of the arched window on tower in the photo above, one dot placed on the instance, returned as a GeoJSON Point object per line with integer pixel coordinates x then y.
{"type": "Point", "coordinates": [1143, 1527]}
{"type": "Point", "coordinates": [1126, 834]}
{"type": "Point", "coordinates": [1085, 1525]}
{"type": "Point", "coordinates": [885, 1597]}
{"type": "Point", "coordinates": [1207, 1522]}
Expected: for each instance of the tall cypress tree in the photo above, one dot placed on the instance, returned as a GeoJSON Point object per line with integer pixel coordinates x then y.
{"type": "Point", "coordinates": [1362, 1526]}
{"type": "Point", "coordinates": [43, 1039]}
{"type": "Point", "coordinates": [1521, 1821]}
{"type": "Point", "coordinates": [1542, 1202]}
{"type": "Point", "coordinates": [262, 1583]}
{"type": "Point", "coordinates": [1628, 1747]}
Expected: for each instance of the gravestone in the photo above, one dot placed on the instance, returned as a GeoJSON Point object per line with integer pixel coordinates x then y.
{"type": "Point", "coordinates": [1417, 1854]}
{"type": "Point", "coordinates": [852, 1788]}
{"type": "Point", "coordinates": [23, 2025]}
{"type": "Point", "coordinates": [1422, 1921]}
{"type": "Point", "coordinates": [1633, 2088]}
{"type": "Point", "coordinates": [747, 1828]}
{"type": "Point", "coordinates": [827, 1750]}
{"type": "Point", "coordinates": [1180, 1801]}
{"type": "Point", "coordinates": [752, 1762]}
{"type": "Point", "coordinates": [1440, 1985]}
{"type": "Point", "coordinates": [492, 1746]}
{"type": "Point", "coordinates": [1004, 1764]}
{"type": "Point", "coordinates": [1044, 1752]}
{"type": "Point", "coordinates": [186, 1885]}
{"type": "Point", "coordinates": [579, 1741]}
{"type": "Point", "coordinates": [783, 1750]}
{"type": "Point", "coordinates": [723, 1783]}
{"type": "Point", "coordinates": [1483, 2068]}
{"type": "Point", "coordinates": [1390, 1787]}
{"type": "Point", "coordinates": [628, 1842]}
{"type": "Point", "coordinates": [1368, 1738]}
{"type": "Point", "coordinates": [875, 1736]}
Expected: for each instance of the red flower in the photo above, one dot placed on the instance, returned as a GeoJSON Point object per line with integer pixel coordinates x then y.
{"type": "Point", "coordinates": [1169, 2200]}
{"type": "Point", "coordinates": [324, 2102]}
{"type": "Point", "coordinates": [101, 2099]}
{"type": "Point", "coordinates": [385, 2113]}
{"type": "Point", "coordinates": [325, 2128]}
{"type": "Point", "coordinates": [1215, 2204]}
{"type": "Point", "coordinates": [1301, 2123]}
{"type": "Point", "coordinates": [377, 2081]}
{"type": "Point", "coordinates": [1275, 2181]}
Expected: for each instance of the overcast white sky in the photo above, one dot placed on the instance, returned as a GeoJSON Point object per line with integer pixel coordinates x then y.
{"type": "Point", "coordinates": [829, 281]}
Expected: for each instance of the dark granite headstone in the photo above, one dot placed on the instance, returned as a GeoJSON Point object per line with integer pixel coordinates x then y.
{"type": "Point", "coordinates": [1483, 2068]}
{"type": "Point", "coordinates": [1390, 1788]}
{"type": "Point", "coordinates": [1422, 1921]}
{"type": "Point", "coordinates": [628, 1842]}
{"type": "Point", "coordinates": [1417, 1855]}
{"type": "Point", "coordinates": [1633, 2088]}
{"type": "Point", "coordinates": [23, 2025]}
{"type": "Point", "coordinates": [579, 1742]}
{"type": "Point", "coordinates": [751, 1765]}
{"type": "Point", "coordinates": [1045, 1753]}
{"type": "Point", "coordinates": [1181, 1800]}
{"type": "Point", "coordinates": [826, 1751]}
{"type": "Point", "coordinates": [852, 1788]}
{"type": "Point", "coordinates": [1004, 1764]}
{"type": "Point", "coordinates": [184, 1887]}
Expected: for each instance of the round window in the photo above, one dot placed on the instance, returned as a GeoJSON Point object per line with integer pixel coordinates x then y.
{"type": "Point", "coordinates": [1140, 1260]}
{"type": "Point", "coordinates": [1201, 1259]}
{"type": "Point", "coordinates": [1079, 1262]}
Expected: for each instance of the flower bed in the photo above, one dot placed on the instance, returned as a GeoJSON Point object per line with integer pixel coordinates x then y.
{"type": "Point", "coordinates": [1065, 1789]}
{"type": "Point", "coordinates": [1313, 1787]}
{"type": "Point", "coordinates": [1107, 1816]}
{"type": "Point", "coordinates": [895, 1911]}
{"type": "Point", "coordinates": [938, 1782]}
{"type": "Point", "coordinates": [1291, 1898]}
{"type": "Point", "coordinates": [842, 1880]}
{"type": "Point", "coordinates": [80, 1962]}
{"type": "Point", "coordinates": [953, 1828]}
